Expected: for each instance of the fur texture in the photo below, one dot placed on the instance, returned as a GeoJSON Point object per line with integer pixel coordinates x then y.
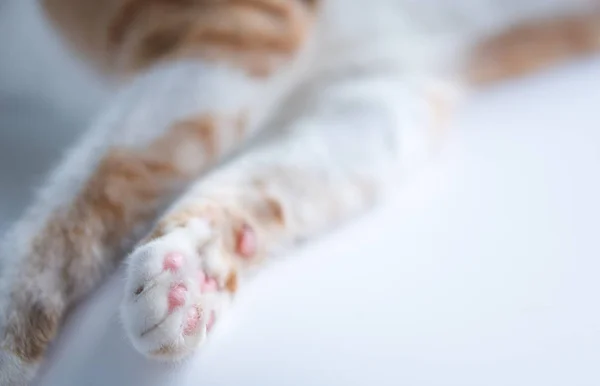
{"type": "Point", "coordinates": [349, 94]}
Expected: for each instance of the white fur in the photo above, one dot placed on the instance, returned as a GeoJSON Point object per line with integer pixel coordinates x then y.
{"type": "Point", "coordinates": [14, 371]}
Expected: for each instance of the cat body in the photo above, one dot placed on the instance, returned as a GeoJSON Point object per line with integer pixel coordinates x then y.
{"type": "Point", "coordinates": [242, 127]}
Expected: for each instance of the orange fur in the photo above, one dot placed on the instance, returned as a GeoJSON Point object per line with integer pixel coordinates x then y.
{"type": "Point", "coordinates": [130, 35]}
{"type": "Point", "coordinates": [532, 47]}
{"type": "Point", "coordinates": [231, 284]}
{"type": "Point", "coordinates": [164, 351]}
{"type": "Point", "coordinates": [30, 339]}
{"type": "Point", "coordinates": [125, 192]}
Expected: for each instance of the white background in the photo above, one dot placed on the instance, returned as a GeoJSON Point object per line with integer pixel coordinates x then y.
{"type": "Point", "coordinates": [483, 271]}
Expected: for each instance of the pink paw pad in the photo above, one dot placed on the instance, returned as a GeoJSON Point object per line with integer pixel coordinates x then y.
{"type": "Point", "coordinates": [207, 284]}
{"type": "Point", "coordinates": [173, 261]}
{"type": "Point", "coordinates": [191, 322]}
{"type": "Point", "coordinates": [246, 242]}
{"type": "Point", "coordinates": [176, 296]}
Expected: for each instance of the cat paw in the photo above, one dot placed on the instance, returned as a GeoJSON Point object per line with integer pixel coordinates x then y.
{"type": "Point", "coordinates": [178, 285]}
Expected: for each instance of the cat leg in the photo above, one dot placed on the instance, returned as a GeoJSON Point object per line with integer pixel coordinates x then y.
{"type": "Point", "coordinates": [532, 47]}
{"type": "Point", "coordinates": [334, 161]}
{"type": "Point", "coordinates": [165, 129]}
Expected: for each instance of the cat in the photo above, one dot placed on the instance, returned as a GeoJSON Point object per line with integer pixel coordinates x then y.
{"type": "Point", "coordinates": [242, 128]}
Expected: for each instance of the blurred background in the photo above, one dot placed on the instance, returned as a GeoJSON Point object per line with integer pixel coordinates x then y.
{"type": "Point", "coordinates": [46, 98]}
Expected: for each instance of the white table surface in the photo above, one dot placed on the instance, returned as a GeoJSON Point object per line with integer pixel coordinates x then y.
{"type": "Point", "coordinates": [485, 271]}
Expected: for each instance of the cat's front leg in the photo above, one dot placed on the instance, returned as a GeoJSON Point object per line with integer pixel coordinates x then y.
{"type": "Point", "coordinates": [333, 162]}
{"type": "Point", "coordinates": [182, 279]}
